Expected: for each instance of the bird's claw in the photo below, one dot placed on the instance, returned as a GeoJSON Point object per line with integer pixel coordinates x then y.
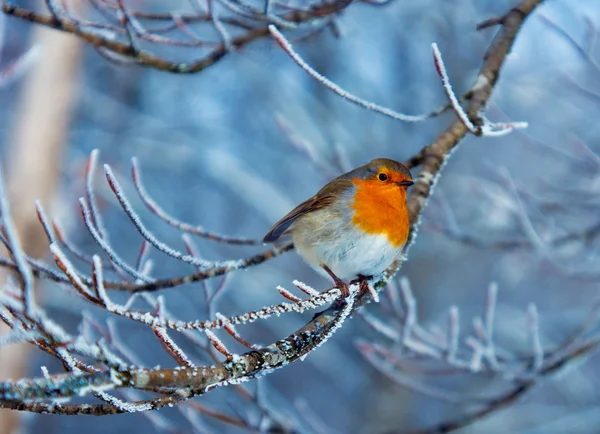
{"type": "Point", "coordinates": [339, 283]}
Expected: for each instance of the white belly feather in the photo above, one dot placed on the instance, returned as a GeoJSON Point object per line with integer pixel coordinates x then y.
{"type": "Point", "coordinates": [366, 254]}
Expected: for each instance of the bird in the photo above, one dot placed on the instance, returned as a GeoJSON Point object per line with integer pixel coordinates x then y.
{"type": "Point", "coordinates": [355, 226]}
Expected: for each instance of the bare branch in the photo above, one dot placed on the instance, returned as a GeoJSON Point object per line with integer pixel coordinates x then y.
{"type": "Point", "coordinates": [119, 35]}
{"type": "Point", "coordinates": [96, 366]}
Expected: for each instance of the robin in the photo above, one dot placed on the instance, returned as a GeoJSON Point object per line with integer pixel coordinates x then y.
{"type": "Point", "coordinates": [355, 226]}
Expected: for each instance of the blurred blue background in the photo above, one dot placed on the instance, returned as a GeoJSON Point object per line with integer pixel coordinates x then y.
{"type": "Point", "coordinates": [217, 148]}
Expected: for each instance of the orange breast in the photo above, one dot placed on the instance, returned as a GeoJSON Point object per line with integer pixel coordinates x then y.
{"type": "Point", "coordinates": [381, 210]}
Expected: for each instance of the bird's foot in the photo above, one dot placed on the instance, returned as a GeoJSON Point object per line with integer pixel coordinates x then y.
{"type": "Point", "coordinates": [363, 282]}
{"type": "Point", "coordinates": [339, 283]}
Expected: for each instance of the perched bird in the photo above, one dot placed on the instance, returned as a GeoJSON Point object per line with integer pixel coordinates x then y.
{"type": "Point", "coordinates": [355, 226]}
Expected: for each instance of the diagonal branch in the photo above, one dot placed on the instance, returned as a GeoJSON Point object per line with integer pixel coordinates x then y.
{"type": "Point", "coordinates": [119, 40]}
{"type": "Point", "coordinates": [184, 382]}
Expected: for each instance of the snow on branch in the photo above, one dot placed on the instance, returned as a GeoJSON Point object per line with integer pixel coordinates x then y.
{"type": "Point", "coordinates": [444, 356]}
{"type": "Point", "coordinates": [124, 34]}
{"type": "Point", "coordinates": [93, 367]}
{"type": "Point", "coordinates": [287, 47]}
{"type": "Point", "coordinates": [485, 129]}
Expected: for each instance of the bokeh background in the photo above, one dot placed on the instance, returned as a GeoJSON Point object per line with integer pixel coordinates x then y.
{"type": "Point", "coordinates": [236, 146]}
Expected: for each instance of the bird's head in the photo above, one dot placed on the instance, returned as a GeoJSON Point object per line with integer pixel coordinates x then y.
{"type": "Point", "coordinates": [385, 173]}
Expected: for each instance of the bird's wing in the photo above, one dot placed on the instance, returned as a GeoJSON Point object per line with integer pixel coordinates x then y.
{"type": "Point", "coordinates": [314, 203]}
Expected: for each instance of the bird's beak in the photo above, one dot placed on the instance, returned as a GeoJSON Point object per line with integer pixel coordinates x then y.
{"type": "Point", "coordinates": [406, 183]}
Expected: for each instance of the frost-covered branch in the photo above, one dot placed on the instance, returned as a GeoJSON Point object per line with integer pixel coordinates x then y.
{"type": "Point", "coordinates": [223, 356]}
{"type": "Point", "coordinates": [211, 30]}
{"type": "Point", "coordinates": [427, 354]}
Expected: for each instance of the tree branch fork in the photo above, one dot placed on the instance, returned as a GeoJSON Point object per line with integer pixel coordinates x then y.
{"type": "Point", "coordinates": [109, 371]}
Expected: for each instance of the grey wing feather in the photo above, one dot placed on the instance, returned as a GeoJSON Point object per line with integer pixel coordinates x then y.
{"type": "Point", "coordinates": [323, 198]}
{"type": "Point", "coordinates": [284, 224]}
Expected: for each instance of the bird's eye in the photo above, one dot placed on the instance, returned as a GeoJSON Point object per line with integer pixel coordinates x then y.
{"type": "Point", "coordinates": [382, 177]}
